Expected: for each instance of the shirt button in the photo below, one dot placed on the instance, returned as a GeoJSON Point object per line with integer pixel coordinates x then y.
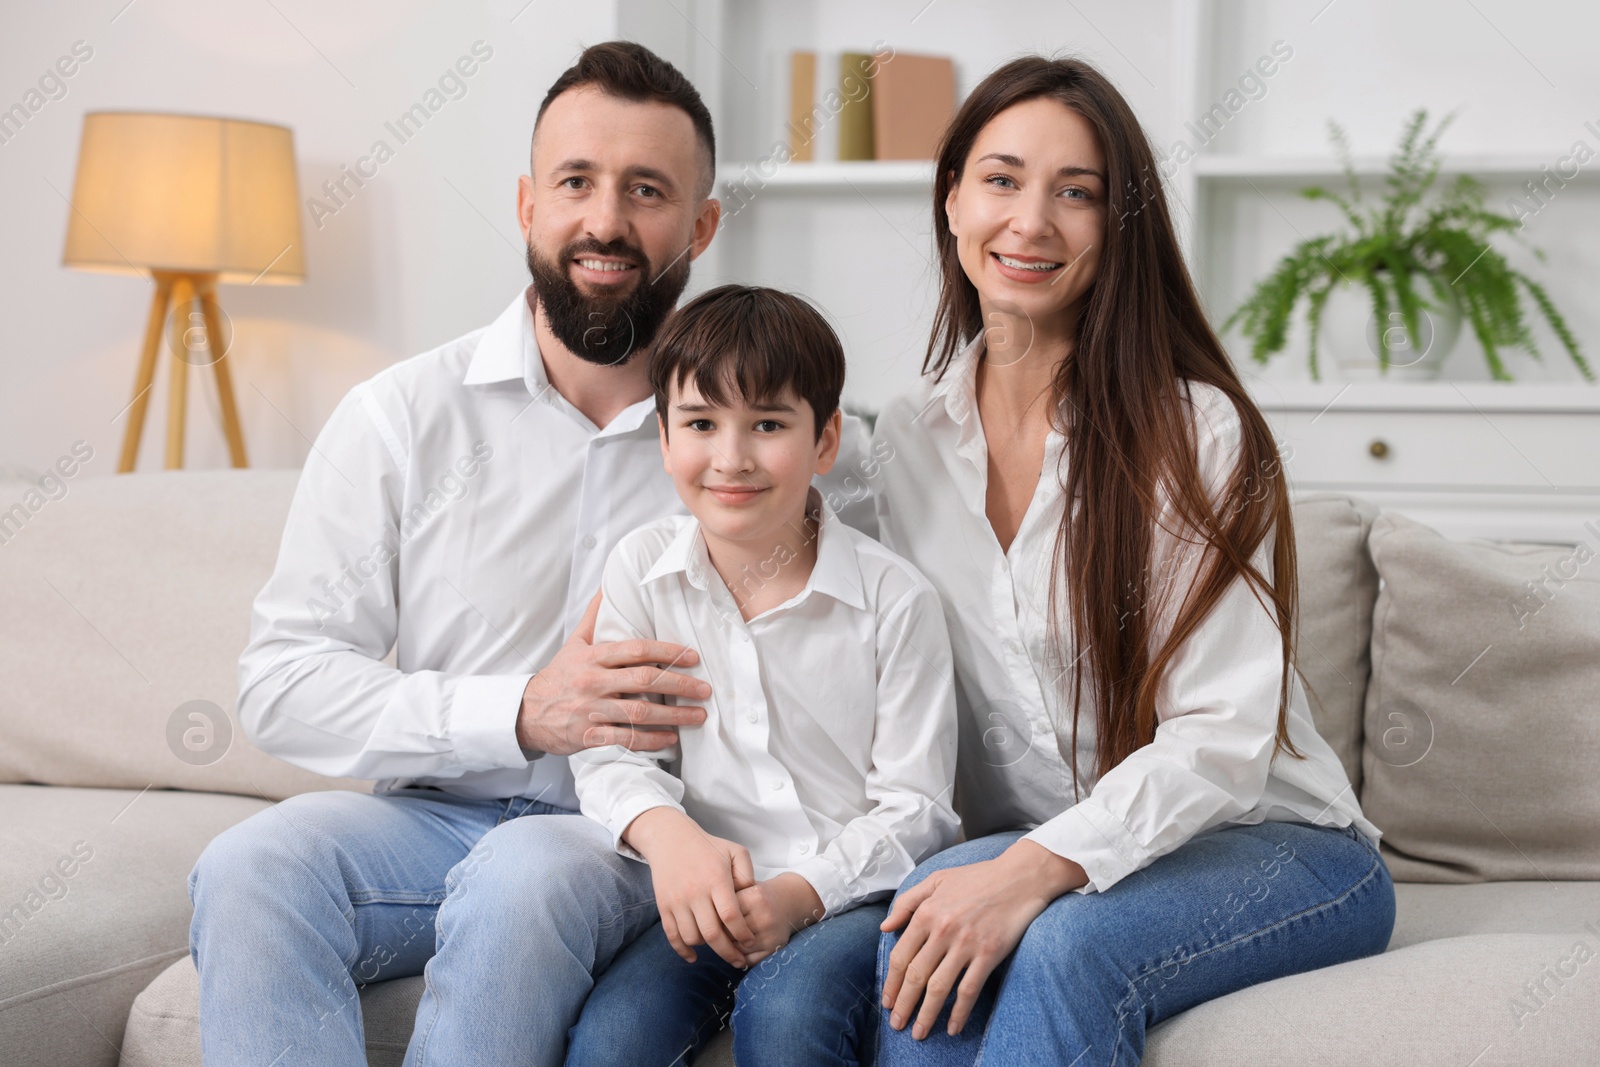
{"type": "Point", "coordinates": [743, 636]}
{"type": "Point", "coordinates": [804, 848]}
{"type": "Point", "coordinates": [777, 786]}
{"type": "Point", "coordinates": [753, 717]}
{"type": "Point", "coordinates": [588, 541]}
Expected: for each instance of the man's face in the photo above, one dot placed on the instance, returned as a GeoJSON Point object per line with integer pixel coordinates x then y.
{"type": "Point", "coordinates": [612, 215]}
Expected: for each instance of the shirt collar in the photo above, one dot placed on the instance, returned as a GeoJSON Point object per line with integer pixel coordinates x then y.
{"type": "Point", "coordinates": [837, 571]}
{"type": "Point", "coordinates": [959, 386]}
{"type": "Point", "coordinates": [508, 349]}
{"type": "Point", "coordinates": [957, 392]}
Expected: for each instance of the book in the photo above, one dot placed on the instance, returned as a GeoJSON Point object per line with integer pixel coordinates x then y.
{"type": "Point", "coordinates": [913, 99]}
{"type": "Point", "coordinates": [856, 139]}
{"type": "Point", "coordinates": [802, 103]}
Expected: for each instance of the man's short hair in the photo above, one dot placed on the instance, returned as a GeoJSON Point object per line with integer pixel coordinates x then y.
{"type": "Point", "coordinates": [631, 71]}
{"type": "Point", "coordinates": [746, 342]}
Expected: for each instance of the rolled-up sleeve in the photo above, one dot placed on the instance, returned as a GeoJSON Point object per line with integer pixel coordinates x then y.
{"type": "Point", "coordinates": [313, 687]}
{"type": "Point", "coordinates": [1217, 711]}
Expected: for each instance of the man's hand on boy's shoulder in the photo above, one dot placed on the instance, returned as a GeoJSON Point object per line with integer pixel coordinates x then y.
{"type": "Point", "coordinates": [697, 878]}
{"type": "Point", "coordinates": [776, 910]}
{"type": "Point", "coordinates": [577, 701]}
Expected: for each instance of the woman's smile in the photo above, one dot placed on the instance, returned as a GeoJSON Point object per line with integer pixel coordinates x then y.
{"type": "Point", "coordinates": [1030, 270]}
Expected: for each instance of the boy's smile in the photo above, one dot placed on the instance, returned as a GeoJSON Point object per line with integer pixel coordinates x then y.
{"type": "Point", "coordinates": [735, 494]}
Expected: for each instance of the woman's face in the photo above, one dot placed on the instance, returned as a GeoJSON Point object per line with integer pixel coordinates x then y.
{"type": "Point", "coordinates": [1029, 214]}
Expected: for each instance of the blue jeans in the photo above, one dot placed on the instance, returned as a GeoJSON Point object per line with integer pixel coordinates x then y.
{"type": "Point", "coordinates": [812, 1002]}
{"type": "Point", "coordinates": [506, 917]}
{"type": "Point", "coordinates": [1229, 909]}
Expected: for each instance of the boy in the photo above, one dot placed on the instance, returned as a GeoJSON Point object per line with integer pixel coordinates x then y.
{"type": "Point", "coordinates": [823, 772]}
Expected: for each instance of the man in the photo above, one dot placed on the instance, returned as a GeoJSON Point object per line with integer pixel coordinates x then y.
{"type": "Point", "coordinates": [457, 510]}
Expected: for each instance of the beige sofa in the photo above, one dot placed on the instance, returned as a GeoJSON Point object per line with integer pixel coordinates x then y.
{"type": "Point", "coordinates": [125, 602]}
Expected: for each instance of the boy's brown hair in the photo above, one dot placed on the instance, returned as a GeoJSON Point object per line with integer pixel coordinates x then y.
{"type": "Point", "coordinates": [746, 342]}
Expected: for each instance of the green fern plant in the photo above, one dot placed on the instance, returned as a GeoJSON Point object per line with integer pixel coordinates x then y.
{"type": "Point", "coordinates": [1400, 244]}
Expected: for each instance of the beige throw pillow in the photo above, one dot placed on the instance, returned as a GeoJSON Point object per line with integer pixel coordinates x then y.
{"type": "Point", "coordinates": [1338, 587]}
{"type": "Point", "coordinates": [127, 603]}
{"type": "Point", "coordinates": [1483, 714]}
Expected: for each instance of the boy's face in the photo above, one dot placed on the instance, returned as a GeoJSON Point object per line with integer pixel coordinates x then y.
{"type": "Point", "coordinates": [744, 470]}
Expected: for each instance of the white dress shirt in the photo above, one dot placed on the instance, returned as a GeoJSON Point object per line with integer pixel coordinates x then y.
{"type": "Point", "coordinates": [1210, 764]}
{"type": "Point", "coordinates": [830, 739]}
{"type": "Point", "coordinates": [456, 511]}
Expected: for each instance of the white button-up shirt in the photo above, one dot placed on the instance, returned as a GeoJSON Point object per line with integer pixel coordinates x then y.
{"type": "Point", "coordinates": [830, 739]}
{"type": "Point", "coordinates": [456, 511]}
{"type": "Point", "coordinates": [1210, 764]}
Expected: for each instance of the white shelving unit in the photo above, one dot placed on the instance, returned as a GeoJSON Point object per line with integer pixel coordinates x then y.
{"type": "Point", "coordinates": [1239, 209]}
{"type": "Point", "coordinates": [854, 237]}
{"type": "Point", "coordinates": [911, 176]}
{"type": "Point", "coordinates": [1518, 166]}
{"type": "Point", "coordinates": [1469, 458]}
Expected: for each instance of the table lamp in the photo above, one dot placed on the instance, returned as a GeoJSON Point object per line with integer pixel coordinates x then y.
{"type": "Point", "coordinates": [191, 201]}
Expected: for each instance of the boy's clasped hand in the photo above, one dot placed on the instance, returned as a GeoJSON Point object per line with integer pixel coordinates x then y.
{"type": "Point", "coordinates": [707, 893]}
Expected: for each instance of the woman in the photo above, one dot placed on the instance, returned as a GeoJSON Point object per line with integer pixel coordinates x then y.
{"type": "Point", "coordinates": [1153, 819]}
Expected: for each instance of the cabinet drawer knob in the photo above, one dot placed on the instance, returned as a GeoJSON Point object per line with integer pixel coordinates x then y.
{"type": "Point", "coordinates": [1379, 448]}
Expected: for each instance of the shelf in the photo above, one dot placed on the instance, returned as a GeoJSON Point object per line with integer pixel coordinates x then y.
{"type": "Point", "coordinates": [1241, 168]}
{"type": "Point", "coordinates": [917, 175]}
{"type": "Point", "coordinates": [910, 176]}
{"type": "Point", "coordinates": [1543, 397]}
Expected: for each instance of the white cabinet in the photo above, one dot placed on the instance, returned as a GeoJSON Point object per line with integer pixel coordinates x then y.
{"type": "Point", "coordinates": [1470, 459]}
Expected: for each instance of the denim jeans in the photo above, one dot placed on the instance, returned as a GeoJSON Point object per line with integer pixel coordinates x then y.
{"type": "Point", "coordinates": [1229, 909]}
{"type": "Point", "coordinates": [813, 1002]}
{"type": "Point", "coordinates": [507, 917]}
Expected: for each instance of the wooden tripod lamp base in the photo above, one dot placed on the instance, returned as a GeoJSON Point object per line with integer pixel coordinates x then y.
{"type": "Point", "coordinates": [180, 292]}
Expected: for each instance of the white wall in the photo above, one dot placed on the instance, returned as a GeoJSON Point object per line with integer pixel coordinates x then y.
{"type": "Point", "coordinates": [426, 251]}
{"type": "Point", "coordinates": [429, 248]}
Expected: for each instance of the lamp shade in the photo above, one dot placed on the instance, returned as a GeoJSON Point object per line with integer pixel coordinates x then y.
{"type": "Point", "coordinates": [186, 193]}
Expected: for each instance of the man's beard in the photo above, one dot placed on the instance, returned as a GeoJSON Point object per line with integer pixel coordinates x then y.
{"type": "Point", "coordinates": [606, 330]}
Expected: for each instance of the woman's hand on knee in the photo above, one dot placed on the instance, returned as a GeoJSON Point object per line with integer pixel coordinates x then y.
{"type": "Point", "coordinates": [959, 925]}
{"type": "Point", "coordinates": [943, 948]}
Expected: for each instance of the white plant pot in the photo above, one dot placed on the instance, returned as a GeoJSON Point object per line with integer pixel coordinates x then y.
{"type": "Point", "coordinates": [1349, 334]}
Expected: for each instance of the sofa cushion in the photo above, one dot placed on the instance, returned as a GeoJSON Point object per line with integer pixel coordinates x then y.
{"type": "Point", "coordinates": [1449, 1002]}
{"type": "Point", "coordinates": [93, 905]}
{"type": "Point", "coordinates": [1425, 912]}
{"type": "Point", "coordinates": [1515, 930]}
{"type": "Point", "coordinates": [164, 1025]}
{"type": "Point", "coordinates": [127, 605]}
{"type": "Point", "coordinates": [1338, 587]}
{"type": "Point", "coordinates": [1482, 725]}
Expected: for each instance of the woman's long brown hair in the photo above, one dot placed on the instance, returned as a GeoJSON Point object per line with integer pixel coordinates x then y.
{"type": "Point", "coordinates": [1117, 398]}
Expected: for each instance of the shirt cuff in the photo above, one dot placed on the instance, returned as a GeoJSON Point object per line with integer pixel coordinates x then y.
{"type": "Point", "coordinates": [620, 817]}
{"type": "Point", "coordinates": [829, 882]}
{"type": "Point", "coordinates": [483, 721]}
{"type": "Point", "coordinates": [1095, 840]}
